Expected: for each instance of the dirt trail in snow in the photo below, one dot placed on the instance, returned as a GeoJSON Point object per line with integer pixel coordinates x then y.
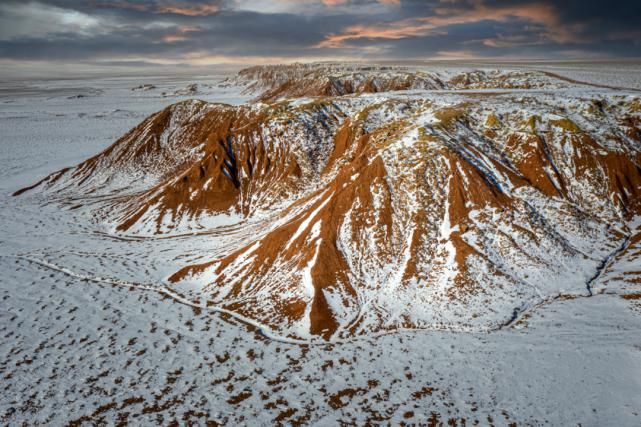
{"type": "Point", "coordinates": [574, 81]}
{"type": "Point", "coordinates": [263, 329]}
{"type": "Point", "coordinates": [606, 263]}
{"type": "Point", "coordinates": [519, 312]}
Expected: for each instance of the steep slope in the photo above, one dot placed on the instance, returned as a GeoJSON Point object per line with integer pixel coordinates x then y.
{"type": "Point", "coordinates": [196, 161]}
{"type": "Point", "coordinates": [364, 214]}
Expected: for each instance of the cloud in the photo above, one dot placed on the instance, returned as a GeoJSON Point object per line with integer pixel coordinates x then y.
{"type": "Point", "coordinates": [189, 8]}
{"type": "Point", "coordinates": [451, 14]}
{"type": "Point", "coordinates": [202, 31]}
{"type": "Point", "coordinates": [194, 10]}
{"type": "Point", "coordinates": [180, 34]}
{"type": "Point", "coordinates": [31, 19]}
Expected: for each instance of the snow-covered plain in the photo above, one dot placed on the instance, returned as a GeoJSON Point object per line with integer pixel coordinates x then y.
{"type": "Point", "coordinates": [88, 336]}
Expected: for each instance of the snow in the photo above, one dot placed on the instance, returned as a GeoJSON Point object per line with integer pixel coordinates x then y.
{"type": "Point", "coordinates": [92, 328]}
{"type": "Point", "coordinates": [304, 225]}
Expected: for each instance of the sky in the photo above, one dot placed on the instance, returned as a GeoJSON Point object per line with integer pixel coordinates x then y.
{"type": "Point", "coordinates": [44, 34]}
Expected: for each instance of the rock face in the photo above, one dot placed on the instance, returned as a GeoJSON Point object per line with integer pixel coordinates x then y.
{"type": "Point", "coordinates": [352, 215]}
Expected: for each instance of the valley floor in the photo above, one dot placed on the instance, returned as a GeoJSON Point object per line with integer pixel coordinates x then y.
{"type": "Point", "coordinates": [80, 345]}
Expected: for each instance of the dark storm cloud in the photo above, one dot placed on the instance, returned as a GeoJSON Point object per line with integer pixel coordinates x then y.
{"type": "Point", "coordinates": [177, 31]}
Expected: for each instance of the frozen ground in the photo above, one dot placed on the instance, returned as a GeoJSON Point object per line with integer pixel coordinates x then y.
{"type": "Point", "coordinates": [80, 344]}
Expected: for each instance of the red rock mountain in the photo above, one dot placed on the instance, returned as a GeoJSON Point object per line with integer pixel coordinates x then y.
{"type": "Point", "coordinates": [357, 214]}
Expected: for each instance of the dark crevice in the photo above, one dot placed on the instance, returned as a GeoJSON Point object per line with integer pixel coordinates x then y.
{"type": "Point", "coordinates": [229, 166]}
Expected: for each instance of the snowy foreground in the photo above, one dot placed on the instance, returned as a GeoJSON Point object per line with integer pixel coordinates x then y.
{"type": "Point", "coordinates": [88, 336]}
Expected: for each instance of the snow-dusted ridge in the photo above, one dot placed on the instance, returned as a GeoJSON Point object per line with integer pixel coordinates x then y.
{"type": "Point", "coordinates": [275, 82]}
